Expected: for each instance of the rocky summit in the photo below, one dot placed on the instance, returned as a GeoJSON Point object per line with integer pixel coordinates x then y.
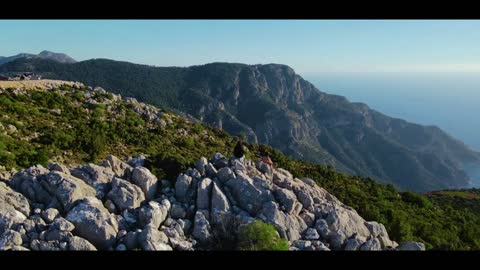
{"type": "Point", "coordinates": [120, 205]}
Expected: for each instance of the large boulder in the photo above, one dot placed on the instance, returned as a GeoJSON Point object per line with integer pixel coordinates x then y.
{"type": "Point", "coordinates": [290, 227]}
{"type": "Point", "coordinates": [177, 211]}
{"type": "Point", "coordinates": [219, 200]}
{"type": "Point", "coordinates": [96, 176]}
{"type": "Point", "coordinates": [225, 174]}
{"type": "Point", "coordinates": [137, 161]}
{"type": "Point", "coordinates": [287, 199]}
{"type": "Point", "coordinates": [125, 195]}
{"type": "Point", "coordinates": [148, 182]}
{"type": "Point", "coordinates": [50, 214]}
{"type": "Point", "coordinates": [152, 239]}
{"type": "Point", "coordinates": [201, 228]}
{"type": "Point", "coordinates": [211, 171]}
{"type": "Point", "coordinates": [411, 246]}
{"type": "Point", "coordinates": [120, 168]}
{"type": "Point", "coordinates": [201, 164]}
{"type": "Point", "coordinates": [93, 222]}
{"type": "Point", "coordinates": [203, 194]}
{"type": "Point", "coordinates": [14, 199]}
{"type": "Point", "coordinates": [220, 207]}
{"type": "Point", "coordinates": [371, 245]}
{"type": "Point", "coordinates": [10, 239]}
{"type": "Point", "coordinates": [65, 190]}
{"type": "Point", "coordinates": [353, 244]}
{"type": "Point", "coordinates": [347, 221]}
{"type": "Point", "coordinates": [182, 185]}
{"type": "Point", "coordinates": [265, 169]}
{"type": "Point", "coordinates": [378, 230]}
{"type": "Point", "coordinates": [26, 182]}
{"type": "Point", "coordinates": [80, 244]}
{"type": "Point", "coordinates": [250, 197]}
{"type": "Point", "coordinates": [154, 214]}
{"type": "Point", "coordinates": [53, 189]}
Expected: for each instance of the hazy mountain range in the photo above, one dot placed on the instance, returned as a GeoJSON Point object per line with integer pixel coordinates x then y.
{"type": "Point", "coordinates": [273, 105]}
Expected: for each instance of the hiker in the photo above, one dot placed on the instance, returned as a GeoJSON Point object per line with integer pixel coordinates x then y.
{"type": "Point", "coordinates": [238, 151]}
{"type": "Point", "coordinates": [266, 159]}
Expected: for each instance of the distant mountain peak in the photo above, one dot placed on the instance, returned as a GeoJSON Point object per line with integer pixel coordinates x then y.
{"type": "Point", "coordinates": [58, 57]}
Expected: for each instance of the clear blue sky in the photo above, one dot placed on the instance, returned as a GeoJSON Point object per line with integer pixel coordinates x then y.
{"type": "Point", "coordinates": [309, 46]}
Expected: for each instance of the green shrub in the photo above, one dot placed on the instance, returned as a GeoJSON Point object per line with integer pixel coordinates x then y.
{"type": "Point", "coordinates": [260, 236]}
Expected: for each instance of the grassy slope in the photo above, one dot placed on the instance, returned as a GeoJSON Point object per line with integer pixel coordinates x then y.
{"type": "Point", "coordinates": [87, 132]}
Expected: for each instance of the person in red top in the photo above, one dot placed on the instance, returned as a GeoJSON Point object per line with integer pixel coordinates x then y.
{"type": "Point", "coordinates": [267, 160]}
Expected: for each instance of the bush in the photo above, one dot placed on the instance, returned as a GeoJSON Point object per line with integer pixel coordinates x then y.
{"type": "Point", "coordinates": [260, 236]}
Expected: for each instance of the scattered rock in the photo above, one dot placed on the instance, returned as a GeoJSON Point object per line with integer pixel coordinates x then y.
{"type": "Point", "coordinates": [311, 234]}
{"type": "Point", "coordinates": [50, 214]}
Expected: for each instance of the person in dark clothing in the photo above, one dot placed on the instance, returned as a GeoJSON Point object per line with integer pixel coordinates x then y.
{"type": "Point", "coordinates": [238, 151]}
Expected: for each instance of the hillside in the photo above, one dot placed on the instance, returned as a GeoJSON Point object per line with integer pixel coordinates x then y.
{"type": "Point", "coordinates": [270, 104]}
{"type": "Point", "coordinates": [73, 125]}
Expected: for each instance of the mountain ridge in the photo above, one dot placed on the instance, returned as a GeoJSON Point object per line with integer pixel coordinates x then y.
{"type": "Point", "coordinates": [58, 57]}
{"type": "Point", "coordinates": [272, 104]}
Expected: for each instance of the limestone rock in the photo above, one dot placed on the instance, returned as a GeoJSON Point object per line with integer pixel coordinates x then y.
{"type": "Point", "coordinates": [182, 186]}
{"type": "Point", "coordinates": [225, 174]}
{"type": "Point", "coordinates": [125, 195]}
{"type": "Point", "coordinates": [249, 197]}
{"type": "Point", "coordinates": [9, 239]}
{"type": "Point", "coordinates": [411, 246]}
{"type": "Point", "coordinates": [201, 229]}
{"type": "Point", "coordinates": [50, 214]}
{"type": "Point", "coordinates": [96, 176]}
{"type": "Point", "coordinates": [286, 198]}
{"type": "Point", "coordinates": [201, 165]}
{"type": "Point", "coordinates": [148, 182]}
{"type": "Point", "coordinates": [203, 194]}
{"type": "Point", "coordinates": [94, 223]}
{"type": "Point", "coordinates": [120, 168]}
{"type": "Point", "coordinates": [154, 213]}
{"type": "Point", "coordinates": [153, 239]}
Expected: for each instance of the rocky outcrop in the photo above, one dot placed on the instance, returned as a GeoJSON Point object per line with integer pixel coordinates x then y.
{"type": "Point", "coordinates": [118, 205]}
{"type": "Point", "coordinates": [125, 195]}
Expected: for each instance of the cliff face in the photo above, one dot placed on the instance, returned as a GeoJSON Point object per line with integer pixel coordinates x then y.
{"type": "Point", "coordinates": [272, 105]}
{"type": "Point", "coordinates": [281, 109]}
